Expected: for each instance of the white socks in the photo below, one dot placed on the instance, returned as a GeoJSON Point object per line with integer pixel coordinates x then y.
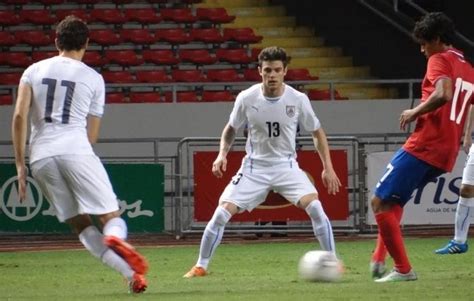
{"type": "Point", "coordinates": [212, 236]}
{"type": "Point", "coordinates": [116, 227]}
{"type": "Point", "coordinates": [462, 221]}
{"type": "Point", "coordinates": [321, 226]}
{"type": "Point", "coordinates": [92, 239]}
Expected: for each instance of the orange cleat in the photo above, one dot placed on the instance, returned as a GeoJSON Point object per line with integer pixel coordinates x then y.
{"type": "Point", "coordinates": [138, 284]}
{"type": "Point", "coordinates": [134, 259]}
{"type": "Point", "coordinates": [195, 272]}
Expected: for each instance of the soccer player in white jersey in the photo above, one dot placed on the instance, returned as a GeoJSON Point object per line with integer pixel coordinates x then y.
{"type": "Point", "coordinates": [272, 110]}
{"type": "Point", "coordinates": [64, 99]}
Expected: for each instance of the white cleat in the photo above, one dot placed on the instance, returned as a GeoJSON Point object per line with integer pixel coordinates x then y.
{"type": "Point", "coordinates": [395, 276]}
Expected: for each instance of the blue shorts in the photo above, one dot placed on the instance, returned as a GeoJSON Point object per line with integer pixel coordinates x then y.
{"type": "Point", "coordinates": [403, 175]}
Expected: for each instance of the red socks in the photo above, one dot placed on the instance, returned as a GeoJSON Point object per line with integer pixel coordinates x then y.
{"type": "Point", "coordinates": [380, 251]}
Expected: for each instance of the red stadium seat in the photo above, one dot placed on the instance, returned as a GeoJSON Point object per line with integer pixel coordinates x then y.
{"type": "Point", "coordinates": [80, 13]}
{"type": "Point", "coordinates": [207, 35]}
{"type": "Point", "coordinates": [41, 55]}
{"type": "Point", "coordinates": [160, 57]}
{"type": "Point", "coordinates": [212, 96]}
{"type": "Point", "coordinates": [34, 37]}
{"type": "Point", "coordinates": [188, 76]}
{"type": "Point", "coordinates": [7, 39]}
{"type": "Point", "coordinates": [234, 56]}
{"type": "Point", "coordinates": [299, 74]}
{"type": "Point", "coordinates": [8, 18]}
{"type": "Point", "coordinates": [115, 97]}
{"type": "Point", "coordinates": [316, 94]}
{"type": "Point", "coordinates": [104, 37]}
{"type": "Point", "coordinates": [94, 59]}
{"type": "Point", "coordinates": [154, 76]}
{"type": "Point", "coordinates": [123, 57]}
{"type": "Point", "coordinates": [178, 15]}
{"type": "Point", "coordinates": [137, 36]}
{"type": "Point", "coordinates": [173, 35]}
{"type": "Point", "coordinates": [10, 78]}
{"type": "Point", "coordinates": [142, 15]}
{"type": "Point", "coordinates": [252, 75]}
{"type": "Point", "coordinates": [197, 56]}
{"type": "Point", "coordinates": [109, 16]}
{"type": "Point", "coordinates": [118, 77]}
{"type": "Point", "coordinates": [182, 96]}
{"type": "Point", "coordinates": [6, 99]}
{"type": "Point", "coordinates": [214, 15]}
{"type": "Point", "coordinates": [38, 16]}
{"type": "Point", "coordinates": [223, 75]}
{"type": "Point", "coordinates": [16, 59]}
{"type": "Point", "coordinates": [242, 35]}
{"type": "Point", "coordinates": [254, 53]}
{"type": "Point", "coordinates": [138, 97]}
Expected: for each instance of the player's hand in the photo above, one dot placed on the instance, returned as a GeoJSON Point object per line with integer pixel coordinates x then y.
{"type": "Point", "coordinates": [219, 166]}
{"type": "Point", "coordinates": [331, 181]}
{"type": "Point", "coordinates": [466, 145]}
{"type": "Point", "coordinates": [406, 117]}
{"type": "Point", "coordinates": [22, 172]}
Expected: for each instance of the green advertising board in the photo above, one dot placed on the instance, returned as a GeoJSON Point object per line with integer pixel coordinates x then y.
{"type": "Point", "coordinates": [139, 189]}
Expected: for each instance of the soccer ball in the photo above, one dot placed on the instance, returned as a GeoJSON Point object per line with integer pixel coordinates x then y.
{"type": "Point", "coordinates": [320, 266]}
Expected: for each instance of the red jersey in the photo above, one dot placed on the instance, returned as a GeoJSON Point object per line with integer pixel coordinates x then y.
{"type": "Point", "coordinates": [437, 136]}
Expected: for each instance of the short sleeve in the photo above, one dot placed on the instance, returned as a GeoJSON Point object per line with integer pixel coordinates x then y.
{"type": "Point", "coordinates": [27, 76]}
{"type": "Point", "coordinates": [98, 100]}
{"type": "Point", "coordinates": [237, 117]}
{"type": "Point", "coordinates": [307, 119]}
{"type": "Point", "coordinates": [438, 67]}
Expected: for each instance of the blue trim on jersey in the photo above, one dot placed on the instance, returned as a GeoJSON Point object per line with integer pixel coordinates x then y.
{"type": "Point", "coordinates": [407, 174]}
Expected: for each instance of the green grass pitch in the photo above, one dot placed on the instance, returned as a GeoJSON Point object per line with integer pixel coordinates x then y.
{"type": "Point", "coordinates": [255, 271]}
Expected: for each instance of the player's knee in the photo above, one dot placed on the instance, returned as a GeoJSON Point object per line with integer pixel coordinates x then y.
{"type": "Point", "coordinates": [306, 200]}
{"type": "Point", "coordinates": [467, 191]}
{"type": "Point", "coordinates": [221, 217]}
{"type": "Point", "coordinates": [79, 222]}
{"type": "Point", "coordinates": [104, 218]}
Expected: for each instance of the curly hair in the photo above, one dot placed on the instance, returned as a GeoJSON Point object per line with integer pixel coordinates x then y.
{"type": "Point", "coordinates": [72, 34]}
{"type": "Point", "coordinates": [434, 25]}
{"type": "Point", "coordinates": [273, 53]}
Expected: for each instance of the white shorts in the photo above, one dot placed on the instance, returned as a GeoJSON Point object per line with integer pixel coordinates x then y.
{"type": "Point", "coordinates": [468, 171]}
{"type": "Point", "coordinates": [250, 186]}
{"type": "Point", "coordinates": [75, 184]}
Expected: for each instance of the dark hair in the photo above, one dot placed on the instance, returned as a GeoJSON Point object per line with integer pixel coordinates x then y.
{"type": "Point", "coordinates": [432, 26]}
{"type": "Point", "coordinates": [71, 34]}
{"type": "Point", "coordinates": [273, 53]}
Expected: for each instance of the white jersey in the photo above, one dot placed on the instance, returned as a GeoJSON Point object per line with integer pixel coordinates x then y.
{"type": "Point", "coordinates": [65, 91]}
{"type": "Point", "coordinates": [272, 124]}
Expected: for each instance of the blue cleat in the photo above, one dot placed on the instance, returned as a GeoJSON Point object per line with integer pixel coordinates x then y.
{"type": "Point", "coordinates": [453, 247]}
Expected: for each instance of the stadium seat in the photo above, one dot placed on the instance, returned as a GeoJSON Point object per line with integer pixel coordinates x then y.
{"type": "Point", "coordinates": [223, 75]}
{"type": "Point", "coordinates": [252, 75]}
{"type": "Point", "coordinates": [188, 76]}
{"type": "Point", "coordinates": [41, 55]}
{"type": "Point", "coordinates": [182, 96]}
{"type": "Point", "coordinates": [51, 2]}
{"type": "Point", "coordinates": [7, 39]}
{"type": "Point", "coordinates": [140, 97]}
{"type": "Point", "coordinates": [197, 56]}
{"type": "Point", "coordinates": [212, 96]}
{"type": "Point", "coordinates": [142, 15]}
{"type": "Point", "coordinates": [152, 76]}
{"type": "Point", "coordinates": [6, 99]}
{"type": "Point", "coordinates": [207, 35]}
{"type": "Point", "coordinates": [234, 56]}
{"type": "Point", "coordinates": [178, 15]}
{"type": "Point", "coordinates": [16, 59]}
{"type": "Point", "coordinates": [109, 16]}
{"type": "Point", "coordinates": [214, 15]}
{"type": "Point", "coordinates": [94, 59]}
{"type": "Point", "coordinates": [115, 97]}
{"type": "Point", "coordinates": [104, 37]}
{"type": "Point", "coordinates": [38, 16]}
{"type": "Point", "coordinates": [122, 1]}
{"type": "Point", "coordinates": [9, 17]}
{"type": "Point", "coordinates": [137, 36]}
{"type": "Point", "coordinates": [173, 35]}
{"type": "Point", "coordinates": [34, 37]}
{"type": "Point", "coordinates": [118, 77]}
{"type": "Point", "coordinates": [10, 78]}
{"type": "Point", "coordinates": [244, 35]}
{"type": "Point", "coordinates": [299, 74]}
{"type": "Point", "coordinates": [254, 53]}
{"type": "Point", "coordinates": [317, 94]}
{"type": "Point", "coordinates": [80, 13]}
{"type": "Point", "coordinates": [123, 57]}
{"type": "Point", "coordinates": [160, 57]}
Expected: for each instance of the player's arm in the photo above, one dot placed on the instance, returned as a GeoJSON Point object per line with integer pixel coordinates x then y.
{"type": "Point", "coordinates": [467, 141]}
{"type": "Point", "coordinates": [19, 132]}
{"type": "Point", "coordinates": [442, 94]}
{"type": "Point", "coordinates": [93, 128]}
{"type": "Point", "coordinates": [227, 139]}
{"type": "Point", "coordinates": [329, 177]}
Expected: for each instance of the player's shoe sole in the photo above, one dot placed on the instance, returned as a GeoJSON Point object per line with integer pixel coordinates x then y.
{"type": "Point", "coordinates": [138, 284]}
{"type": "Point", "coordinates": [195, 272]}
{"type": "Point", "coordinates": [134, 259]}
{"type": "Point", "coordinates": [395, 276]}
{"type": "Point", "coordinates": [453, 247]}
